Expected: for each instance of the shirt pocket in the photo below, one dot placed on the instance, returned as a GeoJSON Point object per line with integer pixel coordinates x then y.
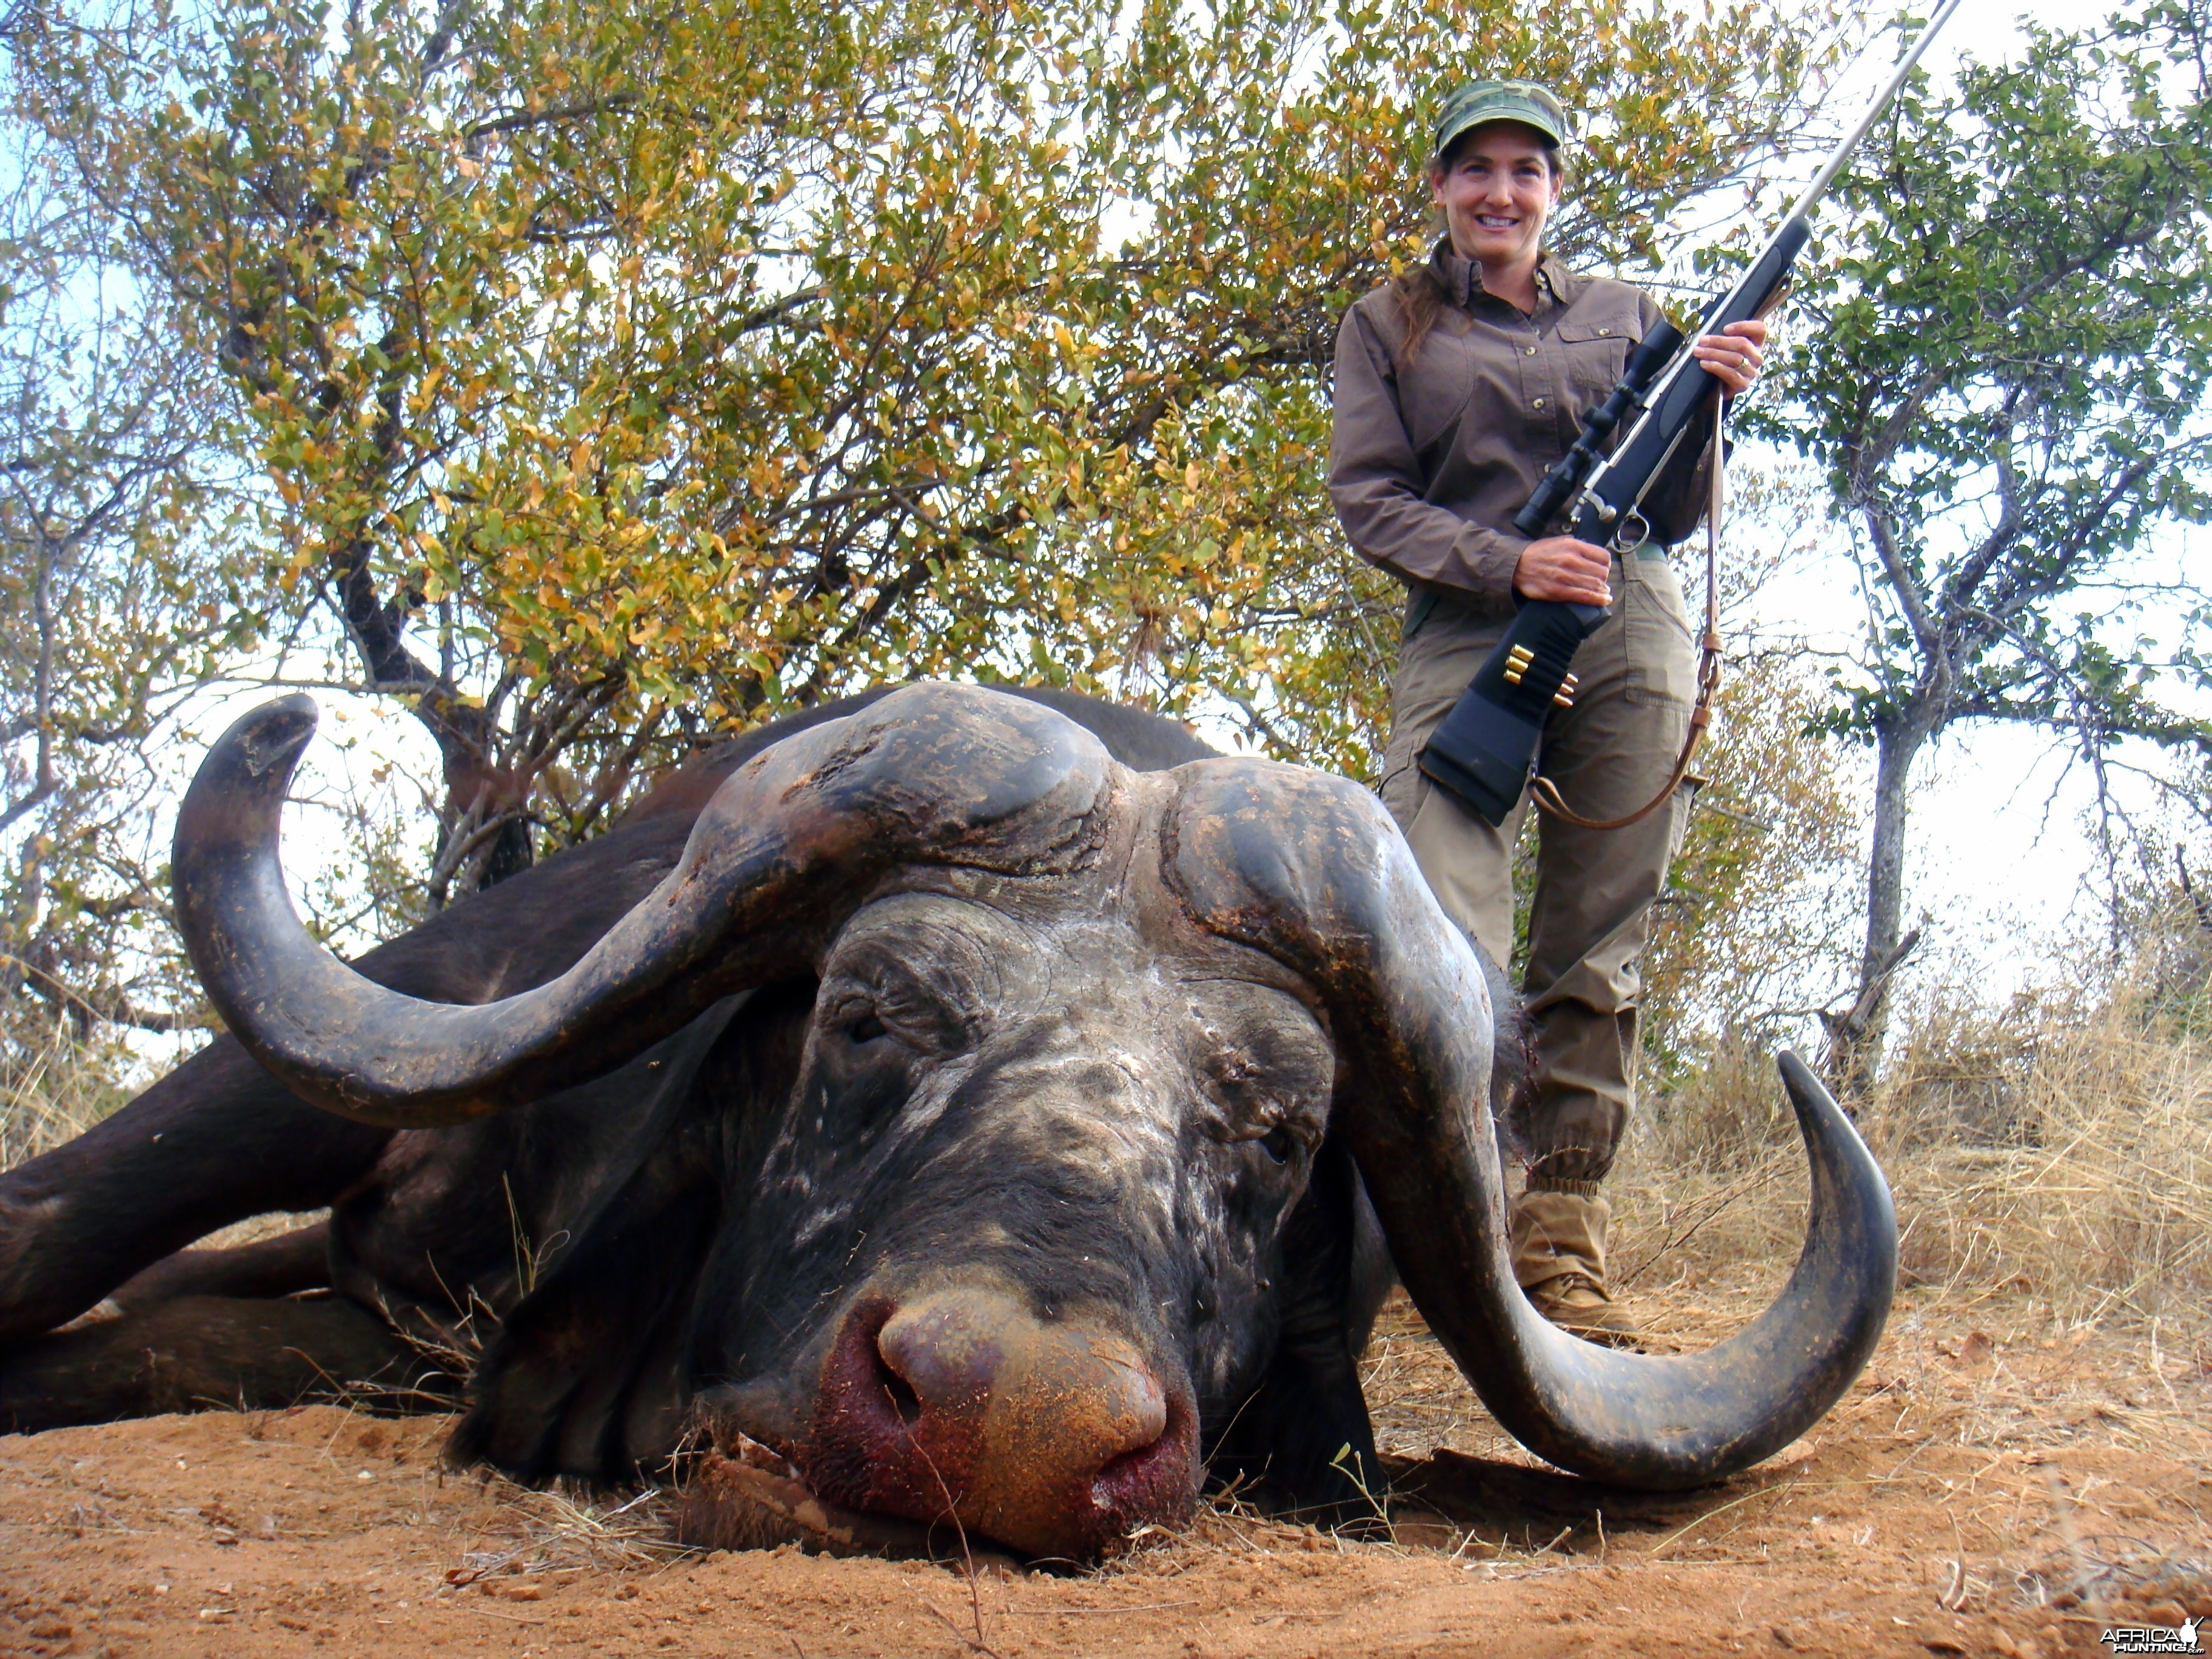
{"type": "Point", "coordinates": [1654, 629]}
{"type": "Point", "coordinates": [1596, 350]}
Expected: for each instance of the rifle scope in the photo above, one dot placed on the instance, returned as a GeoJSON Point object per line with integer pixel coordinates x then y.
{"type": "Point", "coordinates": [1644, 366]}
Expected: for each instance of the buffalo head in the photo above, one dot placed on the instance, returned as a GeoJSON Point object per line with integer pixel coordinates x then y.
{"type": "Point", "coordinates": [1063, 1059]}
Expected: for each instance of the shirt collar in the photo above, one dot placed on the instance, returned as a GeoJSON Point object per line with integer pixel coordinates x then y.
{"type": "Point", "coordinates": [1458, 275]}
{"type": "Point", "coordinates": [1564, 286]}
{"type": "Point", "coordinates": [1556, 286]}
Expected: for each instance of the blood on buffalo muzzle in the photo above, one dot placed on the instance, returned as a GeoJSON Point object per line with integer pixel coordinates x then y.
{"type": "Point", "coordinates": [1055, 1437]}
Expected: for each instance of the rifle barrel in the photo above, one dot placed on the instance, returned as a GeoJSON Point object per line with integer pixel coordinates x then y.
{"type": "Point", "coordinates": [1842, 152]}
{"type": "Point", "coordinates": [1618, 481]}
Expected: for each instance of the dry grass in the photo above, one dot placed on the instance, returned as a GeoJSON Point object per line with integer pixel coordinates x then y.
{"type": "Point", "coordinates": [2078, 1172]}
{"type": "Point", "coordinates": [565, 1528]}
{"type": "Point", "coordinates": [54, 1086]}
{"type": "Point", "coordinates": [2059, 1148]}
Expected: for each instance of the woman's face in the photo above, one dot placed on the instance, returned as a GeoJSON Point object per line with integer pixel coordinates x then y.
{"type": "Point", "coordinates": [1496, 194]}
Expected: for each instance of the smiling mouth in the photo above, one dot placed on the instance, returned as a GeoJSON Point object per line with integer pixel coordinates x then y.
{"type": "Point", "coordinates": [1490, 222]}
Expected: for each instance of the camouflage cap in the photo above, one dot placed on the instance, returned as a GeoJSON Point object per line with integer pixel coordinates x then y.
{"type": "Point", "coordinates": [1524, 101]}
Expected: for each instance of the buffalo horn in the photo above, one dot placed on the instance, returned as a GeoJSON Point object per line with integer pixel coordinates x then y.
{"type": "Point", "coordinates": [792, 844]}
{"type": "Point", "coordinates": [1309, 870]}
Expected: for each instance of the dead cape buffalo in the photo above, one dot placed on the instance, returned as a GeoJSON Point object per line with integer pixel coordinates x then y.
{"type": "Point", "coordinates": [972, 1106]}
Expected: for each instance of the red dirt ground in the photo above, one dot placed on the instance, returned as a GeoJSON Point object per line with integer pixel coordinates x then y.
{"type": "Point", "coordinates": [1990, 1487]}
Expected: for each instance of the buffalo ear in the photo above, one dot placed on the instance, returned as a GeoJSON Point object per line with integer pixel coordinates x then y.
{"type": "Point", "coordinates": [1303, 1440]}
{"type": "Point", "coordinates": [589, 1373]}
{"type": "Point", "coordinates": [595, 1348]}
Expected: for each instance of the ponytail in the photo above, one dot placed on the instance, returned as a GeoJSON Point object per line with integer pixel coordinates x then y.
{"type": "Point", "coordinates": [1419, 294]}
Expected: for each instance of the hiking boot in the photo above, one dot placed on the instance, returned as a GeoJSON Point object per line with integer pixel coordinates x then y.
{"type": "Point", "coordinates": [1580, 1308]}
{"type": "Point", "coordinates": [1556, 1230]}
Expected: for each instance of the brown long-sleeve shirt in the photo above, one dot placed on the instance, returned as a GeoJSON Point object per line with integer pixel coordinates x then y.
{"type": "Point", "coordinates": [1429, 462]}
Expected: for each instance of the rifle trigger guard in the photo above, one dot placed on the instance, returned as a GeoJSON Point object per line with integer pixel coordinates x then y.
{"type": "Point", "coordinates": [1635, 531]}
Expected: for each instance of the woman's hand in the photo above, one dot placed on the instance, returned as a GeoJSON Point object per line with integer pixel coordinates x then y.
{"type": "Point", "coordinates": [1561, 567]}
{"type": "Point", "coordinates": [1733, 355]}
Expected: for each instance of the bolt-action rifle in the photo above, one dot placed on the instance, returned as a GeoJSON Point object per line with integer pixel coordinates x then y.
{"type": "Point", "coordinates": [1485, 750]}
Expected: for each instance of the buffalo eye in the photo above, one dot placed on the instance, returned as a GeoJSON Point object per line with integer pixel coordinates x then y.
{"type": "Point", "coordinates": [1279, 1143]}
{"type": "Point", "coordinates": [864, 1027]}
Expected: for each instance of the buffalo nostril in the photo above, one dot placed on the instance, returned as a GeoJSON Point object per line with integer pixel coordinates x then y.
{"type": "Point", "coordinates": [904, 1401]}
{"type": "Point", "coordinates": [947, 1356]}
{"type": "Point", "coordinates": [1127, 1481]}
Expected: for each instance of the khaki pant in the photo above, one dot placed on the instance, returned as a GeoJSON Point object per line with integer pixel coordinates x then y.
{"type": "Point", "coordinates": [1589, 920]}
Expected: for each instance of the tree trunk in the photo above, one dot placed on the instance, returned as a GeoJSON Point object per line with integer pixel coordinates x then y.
{"type": "Point", "coordinates": [1855, 1039]}
{"type": "Point", "coordinates": [467, 737]}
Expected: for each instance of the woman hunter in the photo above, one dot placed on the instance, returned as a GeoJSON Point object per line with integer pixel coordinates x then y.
{"type": "Point", "coordinates": [1458, 384]}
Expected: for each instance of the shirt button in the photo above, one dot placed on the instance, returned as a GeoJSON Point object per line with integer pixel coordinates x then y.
{"type": "Point", "coordinates": [1605, 331]}
{"type": "Point", "coordinates": [1539, 403]}
{"type": "Point", "coordinates": [1531, 350]}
